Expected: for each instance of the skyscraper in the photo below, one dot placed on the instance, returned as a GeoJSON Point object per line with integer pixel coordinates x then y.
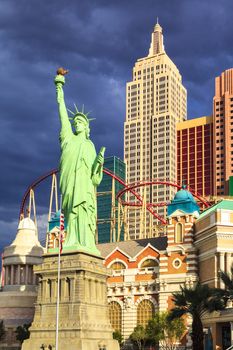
{"type": "Point", "coordinates": [195, 154]}
{"type": "Point", "coordinates": [155, 103]}
{"type": "Point", "coordinates": [223, 132]}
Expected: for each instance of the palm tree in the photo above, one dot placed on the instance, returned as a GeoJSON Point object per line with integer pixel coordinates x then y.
{"type": "Point", "coordinates": [227, 279]}
{"type": "Point", "coordinates": [197, 302]}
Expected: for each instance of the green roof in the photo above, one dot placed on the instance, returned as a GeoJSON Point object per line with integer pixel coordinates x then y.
{"type": "Point", "coordinates": [223, 204]}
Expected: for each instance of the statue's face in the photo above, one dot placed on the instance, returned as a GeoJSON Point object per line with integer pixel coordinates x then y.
{"type": "Point", "coordinates": [80, 125]}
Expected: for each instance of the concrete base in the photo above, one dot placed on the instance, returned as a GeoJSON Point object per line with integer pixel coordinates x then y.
{"type": "Point", "coordinates": [71, 344]}
{"type": "Point", "coordinates": [83, 315]}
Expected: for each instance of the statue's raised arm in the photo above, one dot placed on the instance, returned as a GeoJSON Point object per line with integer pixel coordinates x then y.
{"type": "Point", "coordinates": [59, 81]}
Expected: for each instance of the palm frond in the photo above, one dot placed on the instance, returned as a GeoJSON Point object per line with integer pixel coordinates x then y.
{"type": "Point", "coordinates": [176, 312]}
{"type": "Point", "coordinates": [227, 280]}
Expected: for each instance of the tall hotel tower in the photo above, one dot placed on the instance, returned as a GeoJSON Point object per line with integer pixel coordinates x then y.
{"type": "Point", "coordinates": [155, 103]}
{"type": "Point", "coordinates": [223, 132]}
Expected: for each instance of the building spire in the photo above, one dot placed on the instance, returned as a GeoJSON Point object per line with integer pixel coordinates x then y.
{"type": "Point", "coordinates": [156, 45]}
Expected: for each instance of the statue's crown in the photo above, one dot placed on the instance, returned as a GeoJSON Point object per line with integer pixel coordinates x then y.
{"type": "Point", "coordinates": [80, 114]}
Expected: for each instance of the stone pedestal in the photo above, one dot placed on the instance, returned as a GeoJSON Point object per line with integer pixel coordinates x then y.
{"type": "Point", "coordinates": [84, 321]}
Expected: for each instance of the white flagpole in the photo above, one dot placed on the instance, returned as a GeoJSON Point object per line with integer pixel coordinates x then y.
{"type": "Point", "coordinates": [58, 280]}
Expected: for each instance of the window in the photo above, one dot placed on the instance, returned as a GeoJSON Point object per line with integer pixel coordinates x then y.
{"type": "Point", "coordinates": [56, 243]}
{"type": "Point", "coordinates": [115, 315]}
{"type": "Point", "coordinates": [177, 263]}
{"type": "Point", "coordinates": [145, 312]}
{"type": "Point", "coordinates": [179, 233]}
{"type": "Point", "coordinates": [149, 263]}
{"type": "Point", "coordinates": [117, 266]}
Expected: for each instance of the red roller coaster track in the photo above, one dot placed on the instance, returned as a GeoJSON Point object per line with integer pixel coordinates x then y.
{"type": "Point", "coordinates": [127, 188]}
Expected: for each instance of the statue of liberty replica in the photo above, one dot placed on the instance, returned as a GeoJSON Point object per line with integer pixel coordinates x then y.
{"type": "Point", "coordinates": [81, 170]}
{"type": "Point", "coordinates": [71, 311]}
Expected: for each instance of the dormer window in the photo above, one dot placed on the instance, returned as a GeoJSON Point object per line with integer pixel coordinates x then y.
{"type": "Point", "coordinates": [118, 268]}
{"type": "Point", "coordinates": [149, 265]}
{"type": "Point", "coordinates": [179, 233]}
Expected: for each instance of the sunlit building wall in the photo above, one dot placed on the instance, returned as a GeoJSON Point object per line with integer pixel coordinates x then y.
{"type": "Point", "coordinates": [223, 132]}
{"type": "Point", "coordinates": [195, 154]}
{"type": "Point", "coordinates": [155, 102]}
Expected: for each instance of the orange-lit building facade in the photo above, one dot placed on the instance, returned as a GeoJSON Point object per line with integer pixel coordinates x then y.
{"type": "Point", "coordinates": [223, 132]}
{"type": "Point", "coordinates": [195, 154]}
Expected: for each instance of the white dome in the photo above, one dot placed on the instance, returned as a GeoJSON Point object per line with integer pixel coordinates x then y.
{"type": "Point", "coordinates": [27, 223]}
{"type": "Point", "coordinates": [26, 235]}
{"type": "Point", "coordinates": [25, 249]}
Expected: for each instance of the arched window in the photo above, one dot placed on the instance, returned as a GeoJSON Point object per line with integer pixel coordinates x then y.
{"type": "Point", "coordinates": [115, 315]}
{"type": "Point", "coordinates": [149, 263]}
{"type": "Point", "coordinates": [117, 266]}
{"type": "Point", "coordinates": [145, 312]}
{"type": "Point", "coordinates": [56, 243]}
{"type": "Point", "coordinates": [179, 233]}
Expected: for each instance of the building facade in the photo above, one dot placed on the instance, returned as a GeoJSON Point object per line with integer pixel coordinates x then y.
{"type": "Point", "coordinates": [107, 205]}
{"type": "Point", "coordinates": [155, 103]}
{"type": "Point", "coordinates": [195, 154]}
{"type": "Point", "coordinates": [223, 132]}
{"type": "Point", "coordinates": [214, 242]}
{"type": "Point", "coordinates": [19, 285]}
{"type": "Point", "coordinates": [146, 272]}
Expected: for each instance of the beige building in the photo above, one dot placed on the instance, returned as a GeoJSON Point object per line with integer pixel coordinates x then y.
{"type": "Point", "coordinates": [155, 103]}
{"type": "Point", "coordinates": [223, 132]}
{"type": "Point", "coordinates": [19, 289]}
{"type": "Point", "coordinates": [214, 243]}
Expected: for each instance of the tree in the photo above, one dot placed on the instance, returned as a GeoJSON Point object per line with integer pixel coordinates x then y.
{"type": "Point", "coordinates": [227, 279]}
{"type": "Point", "coordinates": [139, 336]}
{"type": "Point", "coordinates": [197, 302]}
{"type": "Point", "coordinates": [2, 330]}
{"type": "Point", "coordinates": [118, 336]}
{"type": "Point", "coordinates": [22, 332]}
{"type": "Point", "coordinates": [164, 331]}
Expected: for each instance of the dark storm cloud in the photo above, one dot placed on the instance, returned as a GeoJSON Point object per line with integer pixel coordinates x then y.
{"type": "Point", "coordinates": [99, 41]}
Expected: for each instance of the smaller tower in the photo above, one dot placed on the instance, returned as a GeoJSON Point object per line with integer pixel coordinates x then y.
{"type": "Point", "coordinates": [19, 287]}
{"type": "Point", "coordinates": [156, 45]}
{"type": "Point", "coordinates": [19, 258]}
{"type": "Point", "coordinates": [178, 266]}
{"type": "Point", "coordinates": [182, 213]}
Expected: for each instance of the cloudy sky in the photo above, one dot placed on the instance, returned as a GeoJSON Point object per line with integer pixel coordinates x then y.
{"type": "Point", "coordinates": [99, 41]}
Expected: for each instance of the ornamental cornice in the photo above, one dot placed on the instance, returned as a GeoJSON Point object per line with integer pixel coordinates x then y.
{"type": "Point", "coordinates": [225, 235]}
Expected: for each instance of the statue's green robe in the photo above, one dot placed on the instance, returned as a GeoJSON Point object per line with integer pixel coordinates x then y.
{"type": "Point", "coordinates": [77, 185]}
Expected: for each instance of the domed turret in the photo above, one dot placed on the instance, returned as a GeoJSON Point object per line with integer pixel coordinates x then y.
{"type": "Point", "coordinates": [26, 238]}
{"type": "Point", "coordinates": [19, 258]}
{"type": "Point", "coordinates": [183, 195]}
{"type": "Point", "coordinates": [183, 202]}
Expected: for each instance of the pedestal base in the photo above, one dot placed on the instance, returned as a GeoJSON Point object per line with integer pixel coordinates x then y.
{"type": "Point", "coordinates": [83, 314]}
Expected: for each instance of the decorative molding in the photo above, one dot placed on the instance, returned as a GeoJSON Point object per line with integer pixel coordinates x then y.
{"type": "Point", "coordinates": [147, 297]}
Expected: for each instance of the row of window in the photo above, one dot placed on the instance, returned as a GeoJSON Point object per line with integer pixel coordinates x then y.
{"type": "Point", "coordinates": [145, 312]}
